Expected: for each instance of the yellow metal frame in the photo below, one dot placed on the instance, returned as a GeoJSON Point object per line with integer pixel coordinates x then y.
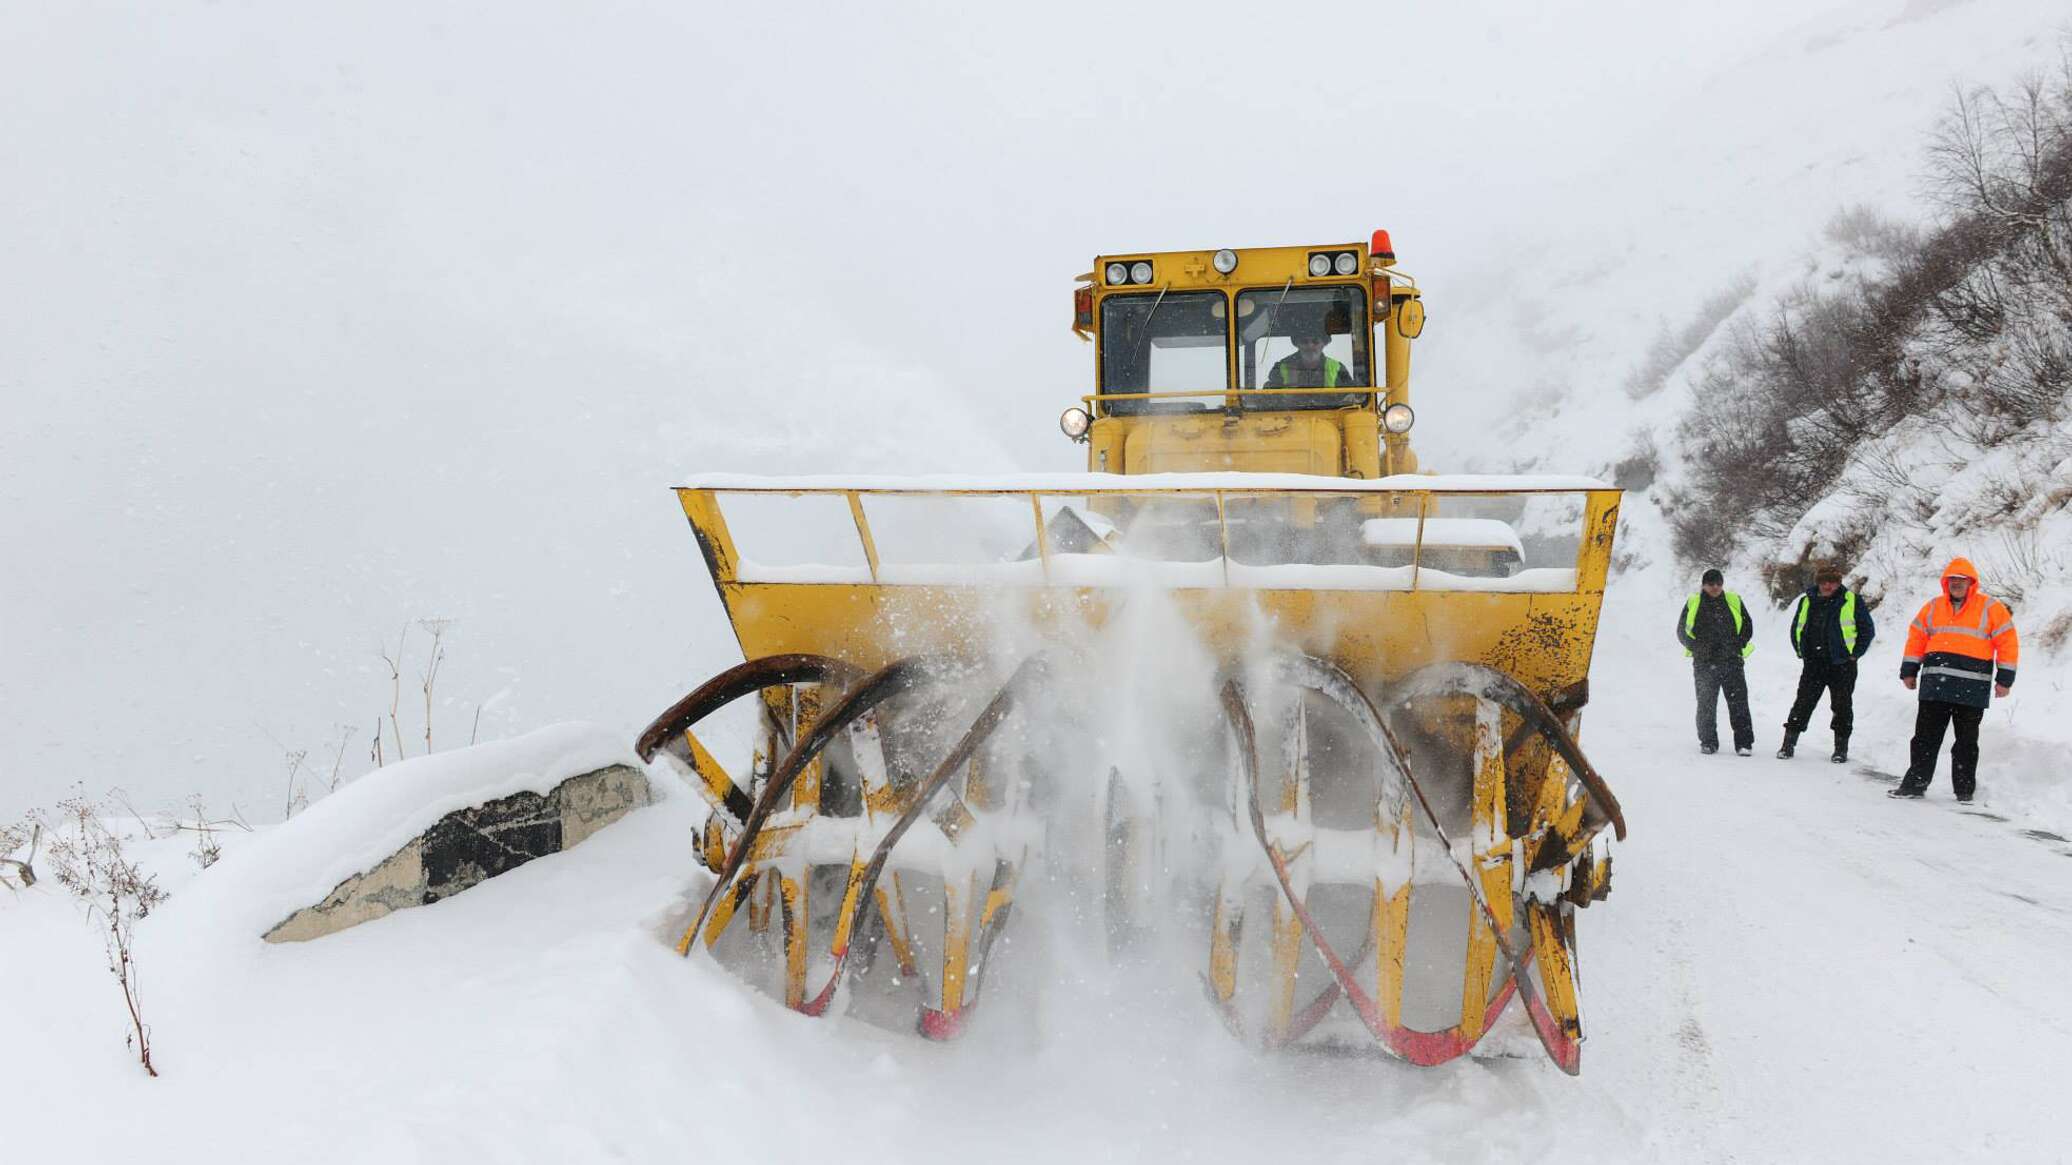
{"type": "Point", "coordinates": [1542, 639]}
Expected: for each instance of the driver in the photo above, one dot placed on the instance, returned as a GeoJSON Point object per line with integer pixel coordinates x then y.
{"type": "Point", "coordinates": [1308, 367]}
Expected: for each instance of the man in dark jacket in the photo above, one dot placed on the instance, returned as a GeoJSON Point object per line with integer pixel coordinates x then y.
{"type": "Point", "coordinates": [1961, 652]}
{"type": "Point", "coordinates": [1717, 634]}
{"type": "Point", "coordinates": [1830, 631]}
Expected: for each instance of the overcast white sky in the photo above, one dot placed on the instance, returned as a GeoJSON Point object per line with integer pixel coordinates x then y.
{"type": "Point", "coordinates": [315, 319]}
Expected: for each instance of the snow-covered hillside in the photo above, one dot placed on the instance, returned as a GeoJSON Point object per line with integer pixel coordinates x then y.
{"type": "Point", "coordinates": [1764, 183]}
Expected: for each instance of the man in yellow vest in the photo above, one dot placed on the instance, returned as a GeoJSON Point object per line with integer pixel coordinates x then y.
{"type": "Point", "coordinates": [1309, 367]}
{"type": "Point", "coordinates": [1717, 634]}
{"type": "Point", "coordinates": [1830, 631]}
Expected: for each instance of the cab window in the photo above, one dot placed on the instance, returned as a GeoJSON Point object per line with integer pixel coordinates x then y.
{"type": "Point", "coordinates": [1161, 342]}
{"type": "Point", "coordinates": [1303, 337]}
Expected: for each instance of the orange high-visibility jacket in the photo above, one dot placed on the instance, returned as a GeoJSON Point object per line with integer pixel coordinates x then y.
{"type": "Point", "coordinates": [1953, 646]}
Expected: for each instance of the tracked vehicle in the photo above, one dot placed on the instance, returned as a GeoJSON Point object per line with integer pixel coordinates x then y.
{"type": "Point", "coordinates": [1258, 681]}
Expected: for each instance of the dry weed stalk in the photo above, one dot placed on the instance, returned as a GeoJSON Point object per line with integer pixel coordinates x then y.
{"type": "Point", "coordinates": [206, 850]}
{"type": "Point", "coordinates": [345, 737]}
{"type": "Point", "coordinates": [395, 666]}
{"type": "Point", "coordinates": [87, 860]}
{"type": "Point", "coordinates": [435, 656]}
{"type": "Point", "coordinates": [294, 759]}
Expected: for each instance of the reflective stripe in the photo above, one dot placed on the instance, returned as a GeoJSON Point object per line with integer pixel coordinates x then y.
{"type": "Point", "coordinates": [1980, 677]}
{"type": "Point", "coordinates": [1975, 629]}
{"type": "Point", "coordinates": [1910, 659]}
{"type": "Point", "coordinates": [1920, 626]}
{"type": "Point", "coordinates": [1335, 374]}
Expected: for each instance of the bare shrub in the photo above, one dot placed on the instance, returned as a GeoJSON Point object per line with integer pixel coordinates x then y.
{"type": "Point", "coordinates": [1638, 469]}
{"type": "Point", "coordinates": [1864, 233]}
{"type": "Point", "coordinates": [14, 839]}
{"type": "Point", "coordinates": [206, 851]}
{"type": "Point", "coordinates": [296, 799]}
{"type": "Point", "coordinates": [2056, 633]}
{"type": "Point", "coordinates": [2023, 563]}
{"type": "Point", "coordinates": [87, 860]}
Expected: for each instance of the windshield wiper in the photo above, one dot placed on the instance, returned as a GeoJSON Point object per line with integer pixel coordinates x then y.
{"type": "Point", "coordinates": [1144, 338]}
{"type": "Point", "coordinates": [1273, 313]}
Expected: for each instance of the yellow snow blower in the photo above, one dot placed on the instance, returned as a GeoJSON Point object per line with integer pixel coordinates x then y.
{"type": "Point", "coordinates": [1251, 668]}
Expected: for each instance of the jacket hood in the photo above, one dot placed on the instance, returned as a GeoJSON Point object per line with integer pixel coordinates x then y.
{"type": "Point", "coordinates": [1960, 567]}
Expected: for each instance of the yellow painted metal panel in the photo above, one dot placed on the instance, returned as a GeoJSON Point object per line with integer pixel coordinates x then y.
{"type": "Point", "coordinates": [1542, 640]}
{"type": "Point", "coordinates": [1285, 442]}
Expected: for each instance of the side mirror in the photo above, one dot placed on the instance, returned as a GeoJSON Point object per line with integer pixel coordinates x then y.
{"type": "Point", "coordinates": [1410, 318]}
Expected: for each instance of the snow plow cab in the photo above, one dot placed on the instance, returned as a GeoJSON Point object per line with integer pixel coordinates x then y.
{"type": "Point", "coordinates": [1283, 702]}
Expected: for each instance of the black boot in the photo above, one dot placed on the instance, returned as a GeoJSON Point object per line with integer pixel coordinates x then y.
{"type": "Point", "coordinates": [1791, 741]}
{"type": "Point", "coordinates": [1841, 756]}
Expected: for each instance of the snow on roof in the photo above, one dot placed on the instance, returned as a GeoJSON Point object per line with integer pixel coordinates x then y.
{"type": "Point", "coordinates": [1478, 533]}
{"type": "Point", "coordinates": [1069, 483]}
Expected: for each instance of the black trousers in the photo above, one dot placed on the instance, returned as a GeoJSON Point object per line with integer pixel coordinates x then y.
{"type": "Point", "coordinates": [1838, 681]}
{"type": "Point", "coordinates": [1711, 678]}
{"type": "Point", "coordinates": [1930, 722]}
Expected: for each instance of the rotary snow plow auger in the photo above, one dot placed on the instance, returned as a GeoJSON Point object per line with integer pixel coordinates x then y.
{"type": "Point", "coordinates": [1278, 693]}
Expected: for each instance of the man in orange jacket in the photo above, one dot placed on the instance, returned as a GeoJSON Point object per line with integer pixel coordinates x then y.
{"type": "Point", "coordinates": [1951, 649]}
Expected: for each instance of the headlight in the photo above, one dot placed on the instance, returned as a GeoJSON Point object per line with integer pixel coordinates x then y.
{"type": "Point", "coordinates": [1075, 422]}
{"type": "Point", "coordinates": [1118, 273]}
{"type": "Point", "coordinates": [1398, 418]}
{"type": "Point", "coordinates": [1140, 272]}
{"type": "Point", "coordinates": [1345, 263]}
{"type": "Point", "coordinates": [1320, 264]}
{"type": "Point", "coordinates": [1226, 260]}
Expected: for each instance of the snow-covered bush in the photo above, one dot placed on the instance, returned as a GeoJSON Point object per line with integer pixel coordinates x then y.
{"type": "Point", "coordinates": [18, 843]}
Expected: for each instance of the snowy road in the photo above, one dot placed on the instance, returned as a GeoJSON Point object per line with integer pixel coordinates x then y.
{"type": "Point", "coordinates": [1795, 966]}
{"type": "Point", "coordinates": [1791, 967]}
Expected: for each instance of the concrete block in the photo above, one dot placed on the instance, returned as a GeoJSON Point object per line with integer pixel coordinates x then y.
{"type": "Point", "coordinates": [469, 846]}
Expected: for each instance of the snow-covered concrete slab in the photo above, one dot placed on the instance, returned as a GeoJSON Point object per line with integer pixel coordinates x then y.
{"type": "Point", "coordinates": [414, 833]}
